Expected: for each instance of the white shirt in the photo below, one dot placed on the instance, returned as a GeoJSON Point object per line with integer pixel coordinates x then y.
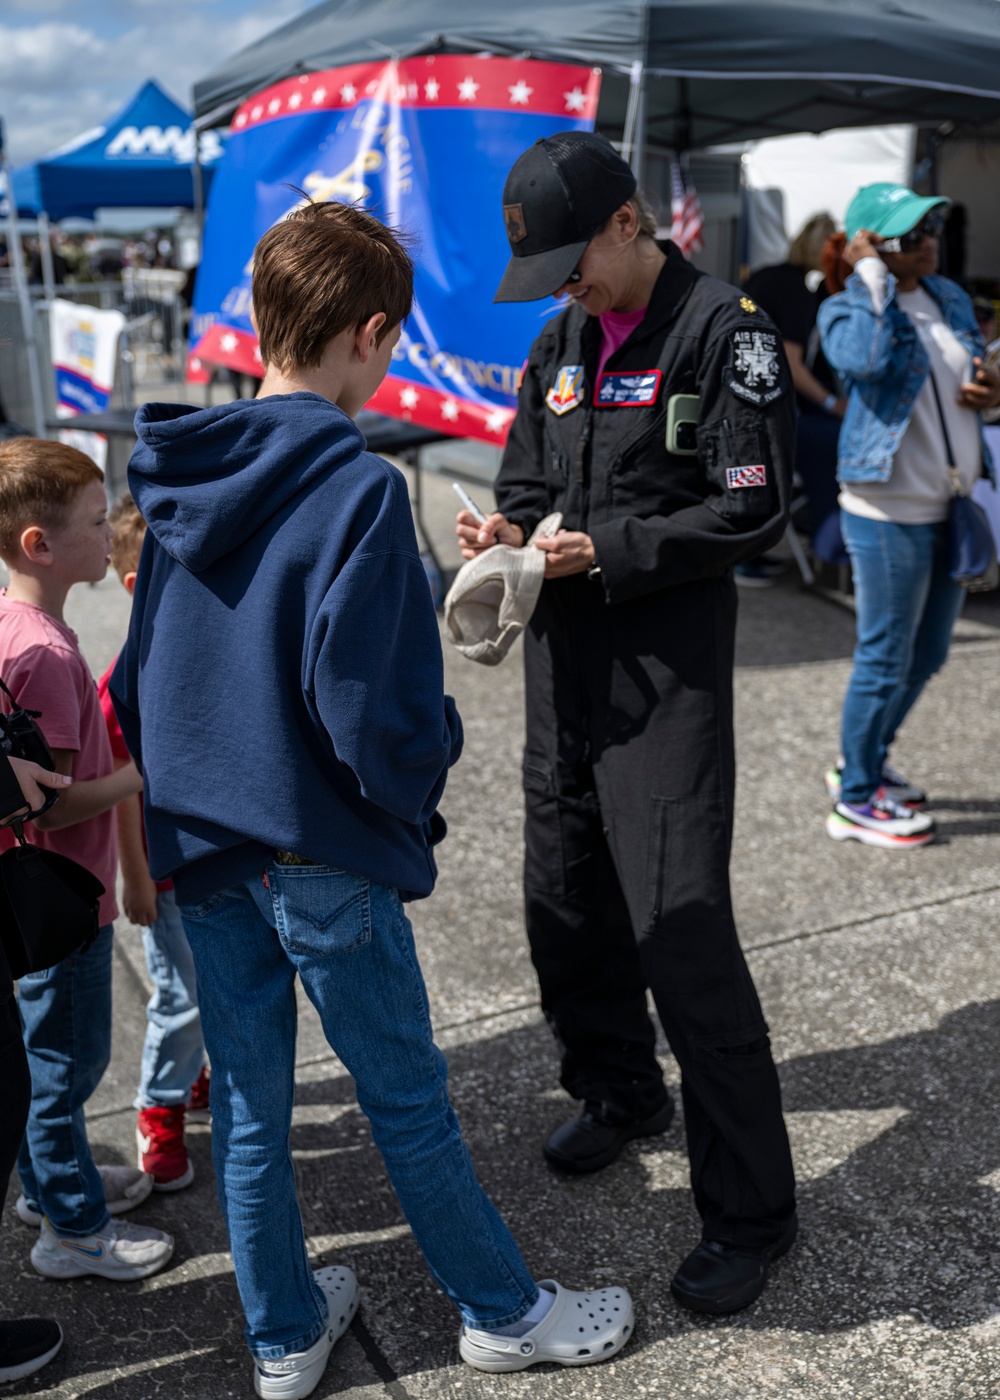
{"type": "Point", "coordinates": [918, 491]}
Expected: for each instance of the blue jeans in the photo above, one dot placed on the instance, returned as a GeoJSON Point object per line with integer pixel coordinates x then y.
{"type": "Point", "coordinates": [906, 609]}
{"type": "Point", "coordinates": [351, 943]}
{"type": "Point", "coordinates": [66, 1013]}
{"type": "Point", "coordinates": [174, 1051]}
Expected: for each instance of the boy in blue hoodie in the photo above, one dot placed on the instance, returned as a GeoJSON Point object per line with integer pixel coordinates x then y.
{"type": "Point", "coordinates": [281, 690]}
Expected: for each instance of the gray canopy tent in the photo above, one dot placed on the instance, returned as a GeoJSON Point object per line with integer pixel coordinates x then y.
{"type": "Point", "coordinates": [678, 74]}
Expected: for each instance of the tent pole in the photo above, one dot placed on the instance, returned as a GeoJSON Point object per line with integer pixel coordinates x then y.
{"type": "Point", "coordinates": [45, 249]}
{"type": "Point", "coordinates": [638, 161]}
{"type": "Point", "coordinates": [23, 296]}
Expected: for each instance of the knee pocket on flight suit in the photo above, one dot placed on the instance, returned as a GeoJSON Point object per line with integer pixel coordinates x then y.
{"type": "Point", "coordinates": [560, 833]}
{"type": "Point", "coordinates": [687, 861]}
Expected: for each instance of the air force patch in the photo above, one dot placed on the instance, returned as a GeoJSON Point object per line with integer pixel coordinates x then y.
{"type": "Point", "coordinates": [738, 477]}
{"type": "Point", "coordinates": [627, 388]}
{"type": "Point", "coordinates": [567, 391]}
{"type": "Point", "coordinates": [755, 371]}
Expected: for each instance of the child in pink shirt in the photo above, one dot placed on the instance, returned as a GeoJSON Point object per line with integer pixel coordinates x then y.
{"type": "Point", "coordinates": [53, 533]}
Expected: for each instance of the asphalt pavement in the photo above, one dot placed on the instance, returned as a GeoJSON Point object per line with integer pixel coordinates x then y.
{"type": "Point", "coordinates": [880, 978]}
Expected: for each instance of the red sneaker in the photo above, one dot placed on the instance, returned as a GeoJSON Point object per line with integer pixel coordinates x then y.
{"type": "Point", "coordinates": [198, 1109]}
{"type": "Point", "coordinates": [159, 1134]}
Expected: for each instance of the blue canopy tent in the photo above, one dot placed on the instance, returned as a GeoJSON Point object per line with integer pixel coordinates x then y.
{"type": "Point", "coordinates": [143, 157]}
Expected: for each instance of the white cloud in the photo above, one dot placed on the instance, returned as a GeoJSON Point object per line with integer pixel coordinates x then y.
{"type": "Point", "coordinates": [59, 78]}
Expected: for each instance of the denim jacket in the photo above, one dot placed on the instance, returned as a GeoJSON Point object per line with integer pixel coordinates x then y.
{"type": "Point", "coordinates": [885, 367]}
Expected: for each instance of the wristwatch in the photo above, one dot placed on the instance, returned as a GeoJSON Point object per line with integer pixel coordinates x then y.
{"type": "Point", "coordinates": [594, 573]}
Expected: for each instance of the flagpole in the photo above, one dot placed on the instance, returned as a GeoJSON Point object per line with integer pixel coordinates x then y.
{"type": "Point", "coordinates": [638, 154]}
{"type": "Point", "coordinates": [23, 295]}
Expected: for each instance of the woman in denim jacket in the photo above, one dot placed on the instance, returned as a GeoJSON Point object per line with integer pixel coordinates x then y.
{"type": "Point", "coordinates": [907, 345]}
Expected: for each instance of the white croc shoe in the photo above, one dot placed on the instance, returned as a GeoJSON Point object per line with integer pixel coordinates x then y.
{"type": "Point", "coordinates": [299, 1374]}
{"type": "Point", "coordinates": [578, 1329]}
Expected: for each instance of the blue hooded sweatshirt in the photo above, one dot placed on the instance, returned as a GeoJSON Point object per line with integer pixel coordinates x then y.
{"type": "Point", "coordinates": [282, 682]}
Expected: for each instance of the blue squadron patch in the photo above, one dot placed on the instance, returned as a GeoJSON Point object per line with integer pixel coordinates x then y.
{"type": "Point", "coordinates": [627, 388]}
{"type": "Point", "coordinates": [567, 392]}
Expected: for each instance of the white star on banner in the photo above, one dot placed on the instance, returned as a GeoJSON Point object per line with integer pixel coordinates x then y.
{"type": "Point", "coordinates": [576, 100]}
{"type": "Point", "coordinates": [408, 398]}
{"type": "Point", "coordinates": [348, 92]}
{"type": "Point", "coordinates": [241, 120]}
{"type": "Point", "coordinates": [449, 410]}
{"type": "Point", "coordinates": [257, 355]}
{"type": "Point", "coordinates": [274, 105]}
{"type": "Point", "coordinates": [319, 96]}
{"type": "Point", "coordinates": [467, 89]}
{"type": "Point", "coordinates": [431, 89]}
{"type": "Point", "coordinates": [520, 92]}
{"type": "Point", "coordinates": [196, 365]}
{"type": "Point", "coordinates": [295, 100]}
{"type": "Point", "coordinates": [228, 342]}
{"type": "Point", "coordinates": [257, 112]}
{"type": "Point", "coordinates": [497, 420]}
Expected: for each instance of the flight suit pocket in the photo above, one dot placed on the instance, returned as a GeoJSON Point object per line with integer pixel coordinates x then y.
{"type": "Point", "coordinates": [737, 459]}
{"type": "Point", "coordinates": [320, 910]}
{"type": "Point", "coordinates": [687, 870]}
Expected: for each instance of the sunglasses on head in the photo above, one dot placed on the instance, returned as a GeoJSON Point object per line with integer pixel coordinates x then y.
{"type": "Point", "coordinates": [932, 226]}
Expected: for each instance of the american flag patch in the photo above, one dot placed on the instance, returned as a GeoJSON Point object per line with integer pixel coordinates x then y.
{"type": "Point", "coordinates": [745, 476]}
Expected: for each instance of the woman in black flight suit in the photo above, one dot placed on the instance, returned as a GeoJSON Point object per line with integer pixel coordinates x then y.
{"type": "Point", "coordinates": [629, 764]}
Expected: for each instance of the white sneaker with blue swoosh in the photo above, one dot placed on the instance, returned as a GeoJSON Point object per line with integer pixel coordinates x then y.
{"type": "Point", "coordinates": [119, 1251]}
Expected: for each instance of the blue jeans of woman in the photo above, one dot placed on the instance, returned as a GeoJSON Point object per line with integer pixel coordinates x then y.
{"type": "Point", "coordinates": [174, 1050]}
{"type": "Point", "coordinates": [350, 942]}
{"type": "Point", "coordinates": [906, 608]}
{"type": "Point", "coordinates": [66, 1012]}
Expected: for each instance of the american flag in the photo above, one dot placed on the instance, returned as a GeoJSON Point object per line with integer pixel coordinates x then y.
{"type": "Point", "coordinates": [687, 220]}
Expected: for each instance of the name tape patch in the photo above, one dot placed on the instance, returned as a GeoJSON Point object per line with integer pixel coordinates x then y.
{"type": "Point", "coordinates": [738, 477]}
{"type": "Point", "coordinates": [622, 388]}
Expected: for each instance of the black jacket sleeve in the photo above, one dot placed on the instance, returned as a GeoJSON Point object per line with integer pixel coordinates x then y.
{"type": "Point", "coordinates": [740, 443]}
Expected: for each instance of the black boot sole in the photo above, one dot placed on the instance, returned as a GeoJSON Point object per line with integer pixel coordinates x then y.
{"type": "Point", "coordinates": [743, 1297]}
{"type": "Point", "coordinates": [646, 1127]}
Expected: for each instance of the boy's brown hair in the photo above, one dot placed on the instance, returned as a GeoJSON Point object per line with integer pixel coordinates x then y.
{"type": "Point", "coordinates": [327, 268]}
{"type": "Point", "coordinates": [39, 481]}
{"type": "Point", "coordinates": [130, 531]}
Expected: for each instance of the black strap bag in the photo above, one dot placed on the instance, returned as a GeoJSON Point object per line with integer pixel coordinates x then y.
{"type": "Point", "coordinates": [48, 903]}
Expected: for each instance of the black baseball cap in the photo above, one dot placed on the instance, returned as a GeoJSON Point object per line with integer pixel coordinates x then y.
{"type": "Point", "coordinates": [557, 196]}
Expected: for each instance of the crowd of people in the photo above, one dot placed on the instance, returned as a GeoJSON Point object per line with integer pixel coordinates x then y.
{"type": "Point", "coordinates": [268, 554]}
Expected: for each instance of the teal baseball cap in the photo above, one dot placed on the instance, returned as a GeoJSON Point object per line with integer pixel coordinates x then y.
{"type": "Point", "coordinates": [889, 210]}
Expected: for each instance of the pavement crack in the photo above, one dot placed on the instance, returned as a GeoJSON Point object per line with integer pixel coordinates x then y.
{"type": "Point", "coordinates": [377, 1359]}
{"type": "Point", "coordinates": [803, 934]}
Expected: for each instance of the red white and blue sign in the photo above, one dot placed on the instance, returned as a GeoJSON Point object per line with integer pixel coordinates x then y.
{"type": "Point", "coordinates": [425, 144]}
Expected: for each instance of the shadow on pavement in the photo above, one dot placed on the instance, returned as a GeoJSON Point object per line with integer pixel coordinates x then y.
{"type": "Point", "coordinates": [898, 1147]}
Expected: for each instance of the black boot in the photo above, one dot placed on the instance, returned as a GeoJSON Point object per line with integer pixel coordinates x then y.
{"type": "Point", "coordinates": [593, 1140]}
{"type": "Point", "coordinates": [722, 1278]}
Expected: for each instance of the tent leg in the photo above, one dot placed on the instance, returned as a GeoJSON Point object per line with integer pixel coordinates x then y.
{"type": "Point", "coordinates": [24, 297]}
{"type": "Point", "coordinates": [45, 248]}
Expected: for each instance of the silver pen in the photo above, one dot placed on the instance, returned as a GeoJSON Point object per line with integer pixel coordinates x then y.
{"type": "Point", "coordinates": [468, 502]}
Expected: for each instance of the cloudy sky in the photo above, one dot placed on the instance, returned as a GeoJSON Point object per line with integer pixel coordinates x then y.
{"type": "Point", "coordinates": [67, 65]}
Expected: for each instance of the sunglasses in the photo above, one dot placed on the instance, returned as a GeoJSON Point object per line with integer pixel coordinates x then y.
{"type": "Point", "coordinates": [930, 227]}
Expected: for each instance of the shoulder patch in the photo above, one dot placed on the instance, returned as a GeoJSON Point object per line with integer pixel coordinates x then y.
{"type": "Point", "coordinates": [747, 304]}
{"type": "Point", "coordinates": [754, 369]}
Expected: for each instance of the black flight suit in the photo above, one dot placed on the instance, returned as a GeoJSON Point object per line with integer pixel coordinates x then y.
{"type": "Point", "coordinates": [629, 767]}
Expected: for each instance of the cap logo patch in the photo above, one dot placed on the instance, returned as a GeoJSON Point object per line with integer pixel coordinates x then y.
{"type": "Point", "coordinates": [738, 477]}
{"type": "Point", "coordinates": [627, 388]}
{"type": "Point", "coordinates": [513, 217]}
{"type": "Point", "coordinates": [567, 391]}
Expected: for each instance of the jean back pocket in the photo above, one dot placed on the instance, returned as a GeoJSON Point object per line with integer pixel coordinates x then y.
{"type": "Point", "coordinates": [320, 910]}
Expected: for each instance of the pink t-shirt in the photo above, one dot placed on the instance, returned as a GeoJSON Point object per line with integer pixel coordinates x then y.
{"type": "Point", "coordinates": [616, 327]}
{"type": "Point", "coordinates": [41, 662]}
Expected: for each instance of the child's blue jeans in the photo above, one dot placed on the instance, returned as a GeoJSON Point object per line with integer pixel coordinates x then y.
{"type": "Point", "coordinates": [66, 1013]}
{"type": "Point", "coordinates": [174, 1051]}
{"type": "Point", "coordinates": [351, 943]}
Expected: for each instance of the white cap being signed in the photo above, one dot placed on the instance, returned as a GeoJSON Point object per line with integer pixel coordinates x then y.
{"type": "Point", "coordinates": [493, 596]}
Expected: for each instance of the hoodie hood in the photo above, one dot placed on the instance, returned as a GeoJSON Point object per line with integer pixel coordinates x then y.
{"type": "Point", "coordinates": [206, 479]}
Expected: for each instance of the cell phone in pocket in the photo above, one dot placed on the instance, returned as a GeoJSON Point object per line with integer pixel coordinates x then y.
{"type": "Point", "coordinates": [682, 424]}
